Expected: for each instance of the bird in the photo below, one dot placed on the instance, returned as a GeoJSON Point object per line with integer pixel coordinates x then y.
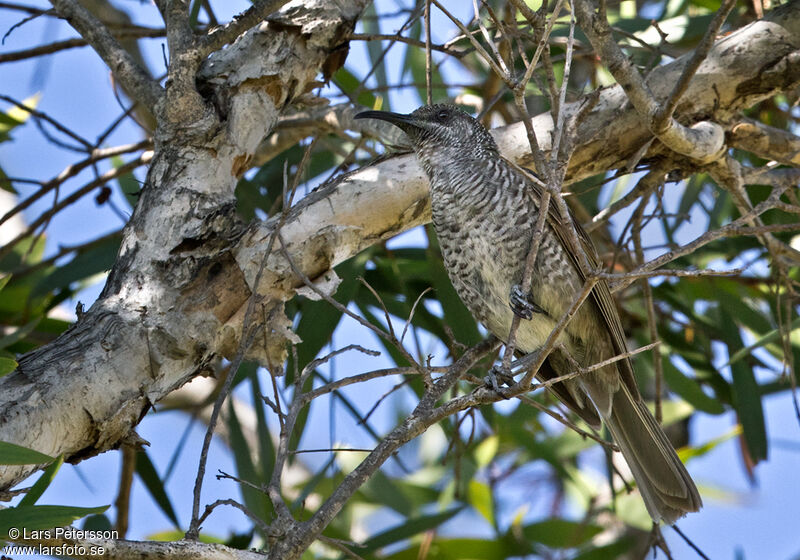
{"type": "Point", "coordinates": [484, 210]}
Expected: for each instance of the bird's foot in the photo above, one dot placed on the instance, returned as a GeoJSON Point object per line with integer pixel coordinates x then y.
{"type": "Point", "coordinates": [521, 305]}
{"type": "Point", "coordinates": [498, 376]}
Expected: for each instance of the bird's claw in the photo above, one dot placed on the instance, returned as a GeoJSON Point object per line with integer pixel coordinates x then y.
{"type": "Point", "coordinates": [522, 307]}
{"type": "Point", "coordinates": [498, 376]}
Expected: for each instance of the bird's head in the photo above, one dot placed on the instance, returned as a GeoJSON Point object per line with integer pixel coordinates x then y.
{"type": "Point", "coordinates": [440, 133]}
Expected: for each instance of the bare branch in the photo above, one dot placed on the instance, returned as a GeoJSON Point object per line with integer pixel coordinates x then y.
{"type": "Point", "coordinates": [74, 169]}
{"type": "Point", "coordinates": [136, 550]}
{"type": "Point", "coordinates": [58, 46]}
{"type": "Point", "coordinates": [407, 40]}
{"type": "Point", "coordinates": [133, 77]}
{"type": "Point", "coordinates": [765, 141]}
{"type": "Point", "coordinates": [702, 141]}
{"type": "Point", "coordinates": [660, 120]}
{"type": "Point", "coordinates": [75, 196]}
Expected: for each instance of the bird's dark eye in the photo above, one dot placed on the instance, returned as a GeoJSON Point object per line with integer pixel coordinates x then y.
{"type": "Point", "coordinates": [442, 115]}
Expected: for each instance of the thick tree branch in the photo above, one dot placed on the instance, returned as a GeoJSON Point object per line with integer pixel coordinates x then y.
{"type": "Point", "coordinates": [127, 71]}
{"type": "Point", "coordinates": [114, 549]}
{"type": "Point", "coordinates": [765, 141]}
{"type": "Point", "coordinates": [702, 141]}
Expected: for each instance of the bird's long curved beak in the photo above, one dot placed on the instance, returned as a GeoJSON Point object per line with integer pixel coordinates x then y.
{"type": "Point", "coordinates": [397, 119]}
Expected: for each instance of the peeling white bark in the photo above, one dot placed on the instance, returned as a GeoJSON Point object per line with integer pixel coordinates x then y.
{"type": "Point", "coordinates": [167, 311]}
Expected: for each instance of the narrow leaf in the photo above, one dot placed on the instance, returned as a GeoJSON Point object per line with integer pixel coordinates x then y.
{"type": "Point", "coordinates": [42, 483]}
{"type": "Point", "coordinates": [746, 393]}
{"type": "Point", "coordinates": [155, 486]}
{"type": "Point", "coordinates": [7, 365]}
{"type": "Point", "coordinates": [35, 518]}
{"type": "Point", "coordinates": [12, 454]}
{"type": "Point", "coordinates": [480, 497]}
{"type": "Point", "coordinates": [407, 529]}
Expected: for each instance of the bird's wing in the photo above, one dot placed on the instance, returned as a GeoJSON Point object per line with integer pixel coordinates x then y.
{"type": "Point", "coordinates": [601, 294]}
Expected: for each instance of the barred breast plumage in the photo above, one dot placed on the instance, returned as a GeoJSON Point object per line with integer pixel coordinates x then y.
{"type": "Point", "coordinates": [484, 211]}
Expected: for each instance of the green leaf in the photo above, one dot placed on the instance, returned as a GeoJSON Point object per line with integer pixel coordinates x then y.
{"type": "Point", "coordinates": [394, 354]}
{"type": "Point", "coordinates": [194, 12]}
{"type": "Point", "coordinates": [480, 497]}
{"type": "Point", "coordinates": [768, 338]}
{"type": "Point", "coordinates": [381, 489]}
{"type": "Point", "coordinates": [99, 522]}
{"type": "Point", "coordinates": [311, 484]}
{"type": "Point", "coordinates": [93, 259]}
{"type": "Point", "coordinates": [560, 533]}
{"type": "Point", "coordinates": [256, 501]}
{"type": "Point", "coordinates": [618, 549]}
{"type": "Point", "coordinates": [16, 116]}
{"type": "Point", "coordinates": [240, 541]}
{"type": "Point", "coordinates": [318, 319]}
{"type": "Point", "coordinates": [746, 393]}
{"type": "Point", "coordinates": [687, 453]}
{"type": "Point", "coordinates": [34, 518]}
{"type": "Point", "coordinates": [486, 450]}
{"type": "Point", "coordinates": [155, 486]}
{"type": "Point", "coordinates": [266, 455]}
{"type": "Point", "coordinates": [415, 61]}
{"type": "Point", "coordinates": [5, 183]}
{"type": "Point", "coordinates": [42, 482]}
{"type": "Point", "coordinates": [175, 535]}
{"type": "Point", "coordinates": [19, 334]}
{"type": "Point", "coordinates": [466, 549]}
{"type": "Point", "coordinates": [375, 48]}
{"type": "Point", "coordinates": [694, 186]}
{"type": "Point", "coordinates": [348, 82]}
{"type": "Point", "coordinates": [689, 390]}
{"type": "Point", "coordinates": [265, 189]}
{"type": "Point", "coordinates": [12, 454]}
{"type": "Point", "coordinates": [7, 365]}
{"type": "Point", "coordinates": [408, 529]}
{"type": "Point", "coordinates": [128, 184]}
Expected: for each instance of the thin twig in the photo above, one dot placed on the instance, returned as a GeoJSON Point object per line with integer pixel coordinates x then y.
{"type": "Point", "coordinates": [43, 116]}
{"type": "Point", "coordinates": [58, 46]}
{"type": "Point", "coordinates": [136, 81]}
{"type": "Point", "coordinates": [341, 546]}
{"type": "Point", "coordinates": [698, 56]}
{"type": "Point", "coordinates": [86, 189]}
{"type": "Point", "coordinates": [407, 40]}
{"type": "Point", "coordinates": [737, 227]}
{"type": "Point", "coordinates": [360, 378]}
{"type": "Point", "coordinates": [244, 344]}
{"type": "Point", "coordinates": [263, 527]}
{"type": "Point", "coordinates": [428, 58]}
{"type": "Point", "coordinates": [647, 293]}
{"type": "Point", "coordinates": [72, 170]}
{"type": "Point", "coordinates": [343, 309]}
{"type": "Point", "coordinates": [549, 344]}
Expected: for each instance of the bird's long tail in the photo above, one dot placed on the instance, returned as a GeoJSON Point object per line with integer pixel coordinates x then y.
{"type": "Point", "coordinates": [667, 489]}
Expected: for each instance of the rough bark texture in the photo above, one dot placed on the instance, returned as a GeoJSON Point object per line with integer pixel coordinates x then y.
{"type": "Point", "coordinates": [174, 302]}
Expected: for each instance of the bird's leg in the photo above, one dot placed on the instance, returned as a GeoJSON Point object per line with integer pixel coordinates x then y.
{"type": "Point", "coordinates": [522, 364]}
{"type": "Point", "coordinates": [498, 372]}
{"type": "Point", "coordinates": [521, 304]}
{"type": "Point", "coordinates": [499, 375]}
